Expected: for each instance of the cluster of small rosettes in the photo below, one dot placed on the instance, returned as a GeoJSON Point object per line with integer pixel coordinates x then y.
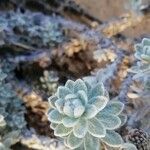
{"type": "Point", "coordinates": [83, 116]}
{"type": "Point", "coordinates": [139, 138]}
{"type": "Point", "coordinates": [12, 111]}
{"type": "Point", "coordinates": [34, 28]}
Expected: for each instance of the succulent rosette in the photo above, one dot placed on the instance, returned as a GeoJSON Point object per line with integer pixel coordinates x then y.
{"type": "Point", "coordinates": [82, 115]}
{"type": "Point", "coordinates": [143, 50]}
{"type": "Point", "coordinates": [142, 69]}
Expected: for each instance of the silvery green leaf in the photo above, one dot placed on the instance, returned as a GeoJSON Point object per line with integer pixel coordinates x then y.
{"type": "Point", "coordinates": [145, 57]}
{"type": "Point", "coordinates": [78, 111]}
{"type": "Point", "coordinates": [96, 128]}
{"type": "Point", "coordinates": [52, 101]}
{"type": "Point", "coordinates": [99, 102]}
{"type": "Point", "coordinates": [74, 142]}
{"type": "Point", "coordinates": [91, 143]}
{"type": "Point", "coordinates": [109, 121]}
{"type": "Point", "coordinates": [80, 148]}
{"type": "Point", "coordinates": [70, 85]}
{"type": "Point", "coordinates": [61, 130]}
{"type": "Point", "coordinates": [88, 86]}
{"type": "Point", "coordinates": [98, 90]}
{"type": "Point", "coordinates": [128, 146]}
{"type": "Point", "coordinates": [59, 103]}
{"type": "Point", "coordinates": [80, 129]}
{"type": "Point", "coordinates": [80, 86]}
{"type": "Point", "coordinates": [55, 117]}
{"type": "Point", "coordinates": [63, 91]}
{"type": "Point", "coordinates": [113, 107]}
{"type": "Point", "coordinates": [123, 119]}
{"type": "Point", "coordinates": [3, 147]}
{"type": "Point", "coordinates": [70, 97]}
{"type": "Point", "coordinates": [53, 125]}
{"type": "Point", "coordinates": [112, 138]}
{"type": "Point", "coordinates": [69, 122]}
{"type": "Point", "coordinates": [90, 111]}
{"type": "Point", "coordinates": [68, 110]}
{"type": "Point", "coordinates": [146, 41]}
{"type": "Point", "coordinates": [83, 97]}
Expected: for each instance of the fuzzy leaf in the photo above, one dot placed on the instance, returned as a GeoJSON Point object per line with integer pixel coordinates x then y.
{"type": "Point", "coordinates": [52, 101]}
{"type": "Point", "coordinates": [74, 142]}
{"type": "Point", "coordinates": [63, 91]}
{"type": "Point", "coordinates": [69, 122]}
{"type": "Point", "coordinates": [78, 111]}
{"type": "Point", "coordinates": [83, 97]}
{"type": "Point", "coordinates": [146, 41]}
{"type": "Point", "coordinates": [88, 86]}
{"type": "Point", "coordinates": [70, 97]}
{"type": "Point", "coordinates": [123, 119]}
{"type": "Point", "coordinates": [98, 90]}
{"type": "Point", "coordinates": [59, 105]}
{"type": "Point", "coordinates": [68, 110]}
{"type": "Point", "coordinates": [96, 128]}
{"type": "Point", "coordinates": [113, 107]}
{"type": "Point", "coordinates": [53, 125]}
{"type": "Point", "coordinates": [80, 86]}
{"type": "Point", "coordinates": [112, 138]}
{"type": "Point", "coordinates": [55, 117]}
{"type": "Point", "coordinates": [128, 146]}
{"type": "Point", "coordinates": [70, 85]}
{"type": "Point", "coordinates": [90, 111]}
{"type": "Point", "coordinates": [109, 121]}
{"type": "Point", "coordinates": [61, 130]}
{"type": "Point", "coordinates": [99, 102]}
{"type": "Point", "coordinates": [91, 143]}
{"type": "Point", "coordinates": [80, 129]}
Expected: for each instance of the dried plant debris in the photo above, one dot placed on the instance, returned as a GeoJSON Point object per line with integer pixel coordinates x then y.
{"type": "Point", "coordinates": [139, 138]}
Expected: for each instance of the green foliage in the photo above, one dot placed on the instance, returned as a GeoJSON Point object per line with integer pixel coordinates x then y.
{"type": "Point", "coordinates": [34, 28]}
{"type": "Point", "coordinates": [49, 82]}
{"type": "Point", "coordinates": [142, 69]}
{"type": "Point", "coordinates": [82, 115]}
{"type": "Point", "coordinates": [11, 114]}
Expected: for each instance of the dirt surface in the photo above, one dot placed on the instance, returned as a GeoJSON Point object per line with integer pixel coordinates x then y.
{"type": "Point", "coordinates": [107, 10]}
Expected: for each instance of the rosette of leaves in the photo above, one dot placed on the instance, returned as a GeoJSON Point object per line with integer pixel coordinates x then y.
{"type": "Point", "coordinates": [142, 69]}
{"type": "Point", "coordinates": [49, 81]}
{"type": "Point", "coordinates": [143, 50]}
{"type": "Point", "coordinates": [84, 117]}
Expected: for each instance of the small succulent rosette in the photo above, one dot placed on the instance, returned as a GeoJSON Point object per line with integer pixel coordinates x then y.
{"type": "Point", "coordinates": [142, 69]}
{"type": "Point", "coordinates": [2, 121]}
{"type": "Point", "coordinates": [143, 50]}
{"type": "Point", "coordinates": [84, 117]}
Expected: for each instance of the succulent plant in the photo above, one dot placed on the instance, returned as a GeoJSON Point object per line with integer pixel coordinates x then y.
{"type": "Point", "coordinates": [142, 69]}
{"type": "Point", "coordinates": [143, 50]}
{"type": "Point", "coordinates": [49, 82]}
{"type": "Point", "coordinates": [12, 112]}
{"type": "Point", "coordinates": [82, 115]}
{"type": "Point", "coordinates": [143, 55]}
{"type": "Point", "coordinates": [43, 30]}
